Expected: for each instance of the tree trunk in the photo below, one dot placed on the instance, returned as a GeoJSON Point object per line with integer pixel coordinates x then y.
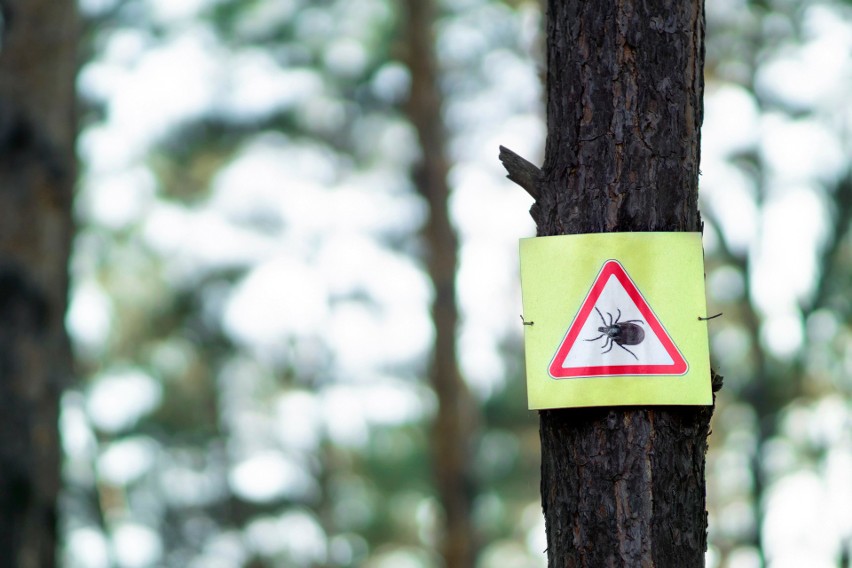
{"type": "Point", "coordinates": [452, 435]}
{"type": "Point", "coordinates": [622, 486]}
{"type": "Point", "coordinates": [37, 172]}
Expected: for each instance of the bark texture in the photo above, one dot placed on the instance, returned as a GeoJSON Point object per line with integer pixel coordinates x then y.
{"type": "Point", "coordinates": [453, 430]}
{"type": "Point", "coordinates": [623, 486]}
{"type": "Point", "coordinates": [624, 84]}
{"type": "Point", "coordinates": [37, 172]}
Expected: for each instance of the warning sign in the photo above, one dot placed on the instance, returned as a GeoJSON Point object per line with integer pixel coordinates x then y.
{"type": "Point", "coordinates": [612, 319]}
{"type": "Point", "coordinates": [616, 333]}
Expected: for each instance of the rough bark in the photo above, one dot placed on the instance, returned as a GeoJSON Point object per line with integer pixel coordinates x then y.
{"type": "Point", "coordinates": [623, 486]}
{"type": "Point", "coordinates": [453, 429]}
{"type": "Point", "coordinates": [37, 171]}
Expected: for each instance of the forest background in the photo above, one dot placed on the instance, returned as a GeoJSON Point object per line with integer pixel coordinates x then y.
{"type": "Point", "coordinates": [250, 302]}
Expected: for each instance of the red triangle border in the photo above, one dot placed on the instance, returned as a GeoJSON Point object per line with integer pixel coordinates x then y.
{"type": "Point", "coordinates": [614, 268]}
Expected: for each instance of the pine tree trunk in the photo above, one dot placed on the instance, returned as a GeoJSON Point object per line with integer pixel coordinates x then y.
{"type": "Point", "coordinates": [622, 486]}
{"type": "Point", "coordinates": [37, 172]}
{"type": "Point", "coordinates": [453, 429]}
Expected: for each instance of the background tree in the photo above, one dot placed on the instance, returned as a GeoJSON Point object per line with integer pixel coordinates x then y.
{"type": "Point", "coordinates": [456, 417]}
{"type": "Point", "coordinates": [37, 173]}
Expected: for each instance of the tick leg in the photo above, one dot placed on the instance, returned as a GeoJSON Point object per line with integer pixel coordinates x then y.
{"type": "Point", "coordinates": [595, 338]}
{"type": "Point", "coordinates": [611, 343]}
{"type": "Point", "coordinates": [610, 319]}
{"type": "Point", "coordinates": [619, 315]}
{"type": "Point", "coordinates": [601, 315]}
{"type": "Point", "coordinates": [633, 321]}
{"type": "Point", "coordinates": [628, 350]}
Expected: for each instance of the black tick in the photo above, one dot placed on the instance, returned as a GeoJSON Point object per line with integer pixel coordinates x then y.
{"type": "Point", "coordinates": [620, 333]}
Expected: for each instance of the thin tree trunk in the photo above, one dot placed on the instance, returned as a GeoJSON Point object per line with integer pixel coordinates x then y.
{"type": "Point", "coordinates": [37, 172]}
{"type": "Point", "coordinates": [452, 435]}
{"type": "Point", "coordinates": [622, 486]}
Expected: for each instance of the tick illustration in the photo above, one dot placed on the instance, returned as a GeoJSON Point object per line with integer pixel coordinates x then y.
{"type": "Point", "coordinates": [619, 333]}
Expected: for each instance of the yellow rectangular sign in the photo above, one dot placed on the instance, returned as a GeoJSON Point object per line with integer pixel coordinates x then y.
{"type": "Point", "coordinates": [613, 320]}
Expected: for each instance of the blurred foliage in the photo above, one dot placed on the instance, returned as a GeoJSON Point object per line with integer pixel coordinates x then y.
{"type": "Point", "coordinates": [250, 313]}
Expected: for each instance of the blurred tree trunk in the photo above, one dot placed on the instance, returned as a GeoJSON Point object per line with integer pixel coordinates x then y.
{"type": "Point", "coordinates": [452, 435]}
{"type": "Point", "coordinates": [621, 486]}
{"type": "Point", "coordinates": [37, 172]}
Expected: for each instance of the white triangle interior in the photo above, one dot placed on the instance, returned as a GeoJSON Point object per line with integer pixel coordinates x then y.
{"type": "Point", "coordinates": [590, 352]}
